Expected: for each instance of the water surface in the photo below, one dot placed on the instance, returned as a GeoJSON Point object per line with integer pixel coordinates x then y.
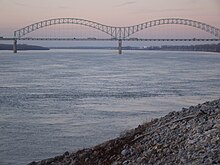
{"type": "Point", "coordinates": [64, 100]}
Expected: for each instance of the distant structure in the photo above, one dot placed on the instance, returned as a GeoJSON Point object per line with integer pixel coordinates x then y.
{"type": "Point", "coordinates": [116, 33]}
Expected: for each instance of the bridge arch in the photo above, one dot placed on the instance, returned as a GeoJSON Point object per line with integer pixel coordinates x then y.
{"type": "Point", "coordinates": [174, 21]}
{"type": "Point", "coordinates": [117, 32]}
{"type": "Point", "coordinates": [35, 26]}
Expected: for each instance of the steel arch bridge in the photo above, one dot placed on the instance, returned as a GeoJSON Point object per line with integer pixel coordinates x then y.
{"type": "Point", "coordinates": [117, 33]}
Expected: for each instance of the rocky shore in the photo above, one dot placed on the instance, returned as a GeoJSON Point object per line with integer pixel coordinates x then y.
{"type": "Point", "coordinates": [190, 136]}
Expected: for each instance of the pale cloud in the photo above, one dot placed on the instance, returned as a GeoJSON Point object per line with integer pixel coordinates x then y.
{"type": "Point", "coordinates": [19, 3]}
{"type": "Point", "coordinates": [170, 10]}
{"type": "Point", "coordinates": [126, 3]}
{"type": "Point", "coordinates": [64, 7]}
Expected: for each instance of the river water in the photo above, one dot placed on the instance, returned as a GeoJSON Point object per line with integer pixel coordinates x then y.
{"type": "Point", "coordinates": [64, 100]}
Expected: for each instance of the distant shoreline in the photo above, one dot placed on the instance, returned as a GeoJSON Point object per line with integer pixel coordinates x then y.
{"type": "Point", "coordinates": [22, 47]}
{"type": "Point", "coordinates": [204, 48]}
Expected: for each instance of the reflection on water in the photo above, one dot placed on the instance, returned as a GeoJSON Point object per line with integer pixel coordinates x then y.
{"type": "Point", "coordinates": [55, 101]}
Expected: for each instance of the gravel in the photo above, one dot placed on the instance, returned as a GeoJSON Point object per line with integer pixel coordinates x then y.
{"type": "Point", "coordinates": [190, 136]}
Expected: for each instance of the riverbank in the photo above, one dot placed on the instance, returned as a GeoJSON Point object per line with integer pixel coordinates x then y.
{"type": "Point", "coordinates": [201, 48]}
{"type": "Point", "coordinates": [22, 47]}
{"type": "Point", "coordinates": [189, 136]}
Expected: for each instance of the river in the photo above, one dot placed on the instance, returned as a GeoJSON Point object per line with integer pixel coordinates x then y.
{"type": "Point", "coordinates": [63, 100]}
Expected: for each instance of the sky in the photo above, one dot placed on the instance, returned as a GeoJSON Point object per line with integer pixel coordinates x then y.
{"type": "Point", "coordinates": [15, 14]}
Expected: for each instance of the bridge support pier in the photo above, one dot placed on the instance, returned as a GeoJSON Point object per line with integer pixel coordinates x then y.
{"type": "Point", "coordinates": [119, 46]}
{"type": "Point", "coordinates": [15, 46]}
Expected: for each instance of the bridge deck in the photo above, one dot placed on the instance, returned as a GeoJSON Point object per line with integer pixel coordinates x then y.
{"type": "Point", "coordinates": [112, 39]}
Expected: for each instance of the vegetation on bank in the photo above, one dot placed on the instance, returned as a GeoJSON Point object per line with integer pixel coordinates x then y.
{"type": "Point", "coordinates": [22, 47]}
{"type": "Point", "coordinates": [205, 47]}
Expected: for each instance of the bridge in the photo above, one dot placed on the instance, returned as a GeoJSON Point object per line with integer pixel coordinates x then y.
{"type": "Point", "coordinates": [115, 33]}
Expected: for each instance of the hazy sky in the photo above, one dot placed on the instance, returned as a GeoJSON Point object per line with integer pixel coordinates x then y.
{"type": "Point", "coordinates": [15, 14]}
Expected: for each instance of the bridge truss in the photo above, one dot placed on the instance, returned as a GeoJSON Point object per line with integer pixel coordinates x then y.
{"type": "Point", "coordinates": [117, 32]}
